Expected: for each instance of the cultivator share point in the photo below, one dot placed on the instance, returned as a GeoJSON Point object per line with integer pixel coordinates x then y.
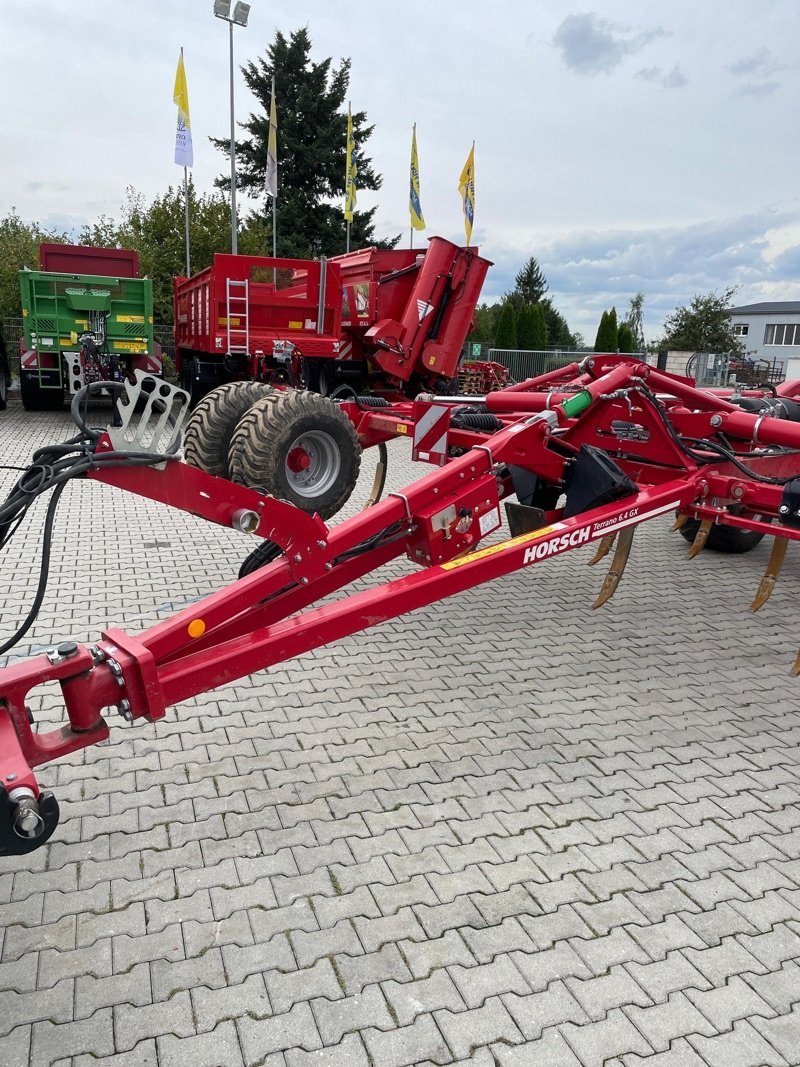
{"type": "Point", "coordinates": [580, 456]}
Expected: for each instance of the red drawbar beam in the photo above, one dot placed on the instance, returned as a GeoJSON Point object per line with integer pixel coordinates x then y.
{"type": "Point", "coordinates": [285, 640]}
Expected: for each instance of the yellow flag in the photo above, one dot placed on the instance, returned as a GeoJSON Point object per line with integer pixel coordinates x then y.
{"type": "Point", "coordinates": [414, 206]}
{"type": "Point", "coordinates": [272, 148]}
{"type": "Point", "coordinates": [184, 153]}
{"type": "Point", "coordinates": [466, 186]}
{"type": "Point", "coordinates": [350, 171]}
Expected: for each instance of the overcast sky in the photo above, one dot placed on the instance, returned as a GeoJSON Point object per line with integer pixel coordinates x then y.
{"type": "Point", "coordinates": [627, 146]}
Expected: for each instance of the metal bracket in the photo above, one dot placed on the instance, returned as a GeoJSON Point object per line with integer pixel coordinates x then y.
{"type": "Point", "coordinates": [154, 427]}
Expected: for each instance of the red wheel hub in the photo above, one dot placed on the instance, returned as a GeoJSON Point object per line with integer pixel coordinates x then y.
{"type": "Point", "coordinates": [298, 460]}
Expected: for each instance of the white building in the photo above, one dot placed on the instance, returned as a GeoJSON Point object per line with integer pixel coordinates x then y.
{"type": "Point", "coordinates": [770, 330]}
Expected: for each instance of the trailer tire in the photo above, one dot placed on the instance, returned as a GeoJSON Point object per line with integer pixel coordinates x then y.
{"type": "Point", "coordinates": [209, 428]}
{"type": "Point", "coordinates": [297, 446]}
{"type": "Point", "coordinates": [729, 539]}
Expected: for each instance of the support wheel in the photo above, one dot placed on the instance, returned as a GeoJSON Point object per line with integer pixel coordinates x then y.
{"type": "Point", "coordinates": [209, 428]}
{"type": "Point", "coordinates": [300, 447]}
{"type": "Point", "coordinates": [729, 539]}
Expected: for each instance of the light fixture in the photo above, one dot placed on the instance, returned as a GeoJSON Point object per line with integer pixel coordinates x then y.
{"type": "Point", "coordinates": [240, 13]}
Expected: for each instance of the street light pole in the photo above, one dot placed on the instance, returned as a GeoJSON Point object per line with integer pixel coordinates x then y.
{"type": "Point", "coordinates": [234, 228]}
{"type": "Point", "coordinates": [222, 10]}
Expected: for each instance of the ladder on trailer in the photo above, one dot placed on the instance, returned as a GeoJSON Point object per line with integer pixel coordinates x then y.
{"type": "Point", "coordinates": [237, 302]}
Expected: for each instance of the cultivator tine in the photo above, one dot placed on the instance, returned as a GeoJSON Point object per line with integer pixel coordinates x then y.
{"type": "Point", "coordinates": [680, 520]}
{"type": "Point", "coordinates": [701, 537]}
{"type": "Point", "coordinates": [771, 573]}
{"type": "Point", "coordinates": [602, 549]}
{"type": "Point", "coordinates": [617, 568]}
{"type": "Point", "coordinates": [380, 477]}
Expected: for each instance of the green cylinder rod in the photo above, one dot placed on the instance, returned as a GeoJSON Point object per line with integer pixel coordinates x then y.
{"type": "Point", "coordinates": [576, 404]}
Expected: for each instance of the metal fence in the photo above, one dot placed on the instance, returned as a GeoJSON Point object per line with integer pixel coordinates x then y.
{"type": "Point", "coordinates": [526, 363]}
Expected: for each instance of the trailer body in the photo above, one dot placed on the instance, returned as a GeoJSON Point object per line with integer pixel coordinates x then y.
{"type": "Point", "coordinates": [81, 327]}
{"type": "Point", "coordinates": [386, 321]}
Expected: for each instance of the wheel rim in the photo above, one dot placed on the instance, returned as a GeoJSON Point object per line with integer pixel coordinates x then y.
{"type": "Point", "coordinates": [313, 464]}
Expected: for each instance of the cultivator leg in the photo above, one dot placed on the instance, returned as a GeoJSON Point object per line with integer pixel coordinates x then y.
{"type": "Point", "coordinates": [603, 548]}
{"type": "Point", "coordinates": [772, 573]}
{"type": "Point", "coordinates": [701, 537]}
{"type": "Point", "coordinates": [617, 569]}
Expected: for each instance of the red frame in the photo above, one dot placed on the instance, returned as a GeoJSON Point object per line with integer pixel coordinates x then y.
{"type": "Point", "coordinates": [270, 615]}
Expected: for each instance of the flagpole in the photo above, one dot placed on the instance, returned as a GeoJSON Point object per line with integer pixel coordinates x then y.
{"type": "Point", "coordinates": [186, 217]}
{"type": "Point", "coordinates": [275, 198]}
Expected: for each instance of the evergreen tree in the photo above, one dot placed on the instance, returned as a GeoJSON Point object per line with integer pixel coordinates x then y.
{"type": "Point", "coordinates": [625, 338]}
{"type": "Point", "coordinates": [602, 333]}
{"type": "Point", "coordinates": [558, 331]}
{"type": "Point", "coordinates": [506, 332]}
{"type": "Point", "coordinates": [526, 327]}
{"type": "Point", "coordinates": [531, 283]}
{"type": "Point", "coordinates": [634, 320]}
{"type": "Point", "coordinates": [312, 128]}
{"type": "Point", "coordinates": [540, 328]}
{"type": "Point", "coordinates": [607, 339]}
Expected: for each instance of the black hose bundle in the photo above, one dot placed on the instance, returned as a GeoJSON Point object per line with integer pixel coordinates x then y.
{"type": "Point", "coordinates": [50, 470]}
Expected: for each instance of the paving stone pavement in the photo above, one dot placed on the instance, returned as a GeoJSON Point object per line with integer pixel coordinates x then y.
{"type": "Point", "coordinates": [504, 830]}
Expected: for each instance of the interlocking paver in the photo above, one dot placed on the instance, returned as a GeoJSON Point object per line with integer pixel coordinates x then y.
{"type": "Point", "coordinates": [588, 847]}
{"type": "Point", "coordinates": [742, 1045]}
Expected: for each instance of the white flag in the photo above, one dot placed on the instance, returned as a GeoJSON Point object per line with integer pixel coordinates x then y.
{"type": "Point", "coordinates": [184, 154]}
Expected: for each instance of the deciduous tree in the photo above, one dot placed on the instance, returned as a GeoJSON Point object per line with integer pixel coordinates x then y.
{"type": "Point", "coordinates": [703, 326]}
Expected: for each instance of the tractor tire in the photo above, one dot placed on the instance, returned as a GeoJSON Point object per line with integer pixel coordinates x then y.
{"type": "Point", "coordinates": [297, 446]}
{"type": "Point", "coordinates": [209, 428]}
{"type": "Point", "coordinates": [729, 539]}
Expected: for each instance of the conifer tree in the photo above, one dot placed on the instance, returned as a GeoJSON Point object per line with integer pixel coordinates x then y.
{"type": "Point", "coordinates": [312, 100]}
{"type": "Point", "coordinates": [506, 334]}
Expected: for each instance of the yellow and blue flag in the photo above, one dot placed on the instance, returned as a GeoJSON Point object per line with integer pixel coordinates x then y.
{"type": "Point", "coordinates": [466, 187]}
{"type": "Point", "coordinates": [350, 171]}
{"type": "Point", "coordinates": [272, 148]}
{"type": "Point", "coordinates": [414, 206]}
{"type": "Point", "coordinates": [184, 153]}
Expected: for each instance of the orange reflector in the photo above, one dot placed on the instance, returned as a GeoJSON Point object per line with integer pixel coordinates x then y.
{"type": "Point", "coordinates": [197, 628]}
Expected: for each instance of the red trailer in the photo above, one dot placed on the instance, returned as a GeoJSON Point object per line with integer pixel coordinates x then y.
{"type": "Point", "coordinates": [385, 321]}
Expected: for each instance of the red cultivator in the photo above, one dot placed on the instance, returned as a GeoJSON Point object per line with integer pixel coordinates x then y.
{"type": "Point", "coordinates": [589, 452]}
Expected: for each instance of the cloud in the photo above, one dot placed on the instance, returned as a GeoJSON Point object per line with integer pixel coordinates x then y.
{"type": "Point", "coordinates": [757, 88]}
{"type": "Point", "coordinates": [590, 271]}
{"type": "Point", "coordinates": [760, 62]}
{"type": "Point", "coordinates": [591, 45]}
{"type": "Point", "coordinates": [759, 65]}
{"type": "Point", "coordinates": [667, 79]}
